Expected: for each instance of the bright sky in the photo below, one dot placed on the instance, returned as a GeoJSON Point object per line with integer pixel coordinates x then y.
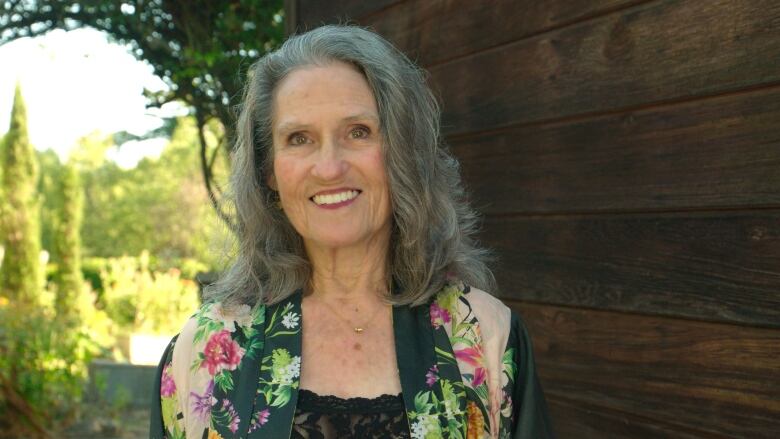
{"type": "Point", "coordinates": [77, 82]}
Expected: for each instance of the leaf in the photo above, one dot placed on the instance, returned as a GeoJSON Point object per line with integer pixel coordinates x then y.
{"type": "Point", "coordinates": [224, 380]}
{"type": "Point", "coordinates": [510, 368]}
{"type": "Point", "coordinates": [255, 346]}
{"type": "Point", "coordinates": [462, 327]}
{"type": "Point", "coordinates": [454, 428]}
{"type": "Point", "coordinates": [282, 396]}
{"type": "Point", "coordinates": [215, 326]}
{"type": "Point", "coordinates": [443, 354]}
{"type": "Point", "coordinates": [199, 334]}
{"type": "Point", "coordinates": [271, 323]}
{"type": "Point", "coordinates": [168, 408]}
{"type": "Point", "coordinates": [275, 334]}
{"type": "Point", "coordinates": [196, 363]}
{"type": "Point", "coordinates": [422, 398]}
{"type": "Point", "coordinates": [461, 340]}
{"type": "Point", "coordinates": [259, 316]}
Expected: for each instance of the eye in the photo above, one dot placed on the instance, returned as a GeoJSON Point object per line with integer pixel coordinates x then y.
{"type": "Point", "coordinates": [359, 132]}
{"type": "Point", "coordinates": [297, 139]}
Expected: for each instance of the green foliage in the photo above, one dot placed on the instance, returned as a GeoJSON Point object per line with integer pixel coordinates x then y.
{"type": "Point", "coordinates": [51, 196]}
{"type": "Point", "coordinates": [43, 361]}
{"type": "Point", "coordinates": [140, 300]}
{"type": "Point", "coordinates": [68, 243]}
{"type": "Point", "coordinates": [201, 49]}
{"type": "Point", "coordinates": [159, 206]}
{"type": "Point", "coordinates": [196, 47]}
{"type": "Point", "coordinates": [21, 277]}
{"type": "Point", "coordinates": [90, 269]}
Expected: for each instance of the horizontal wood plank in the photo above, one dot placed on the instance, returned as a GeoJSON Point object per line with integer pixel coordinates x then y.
{"type": "Point", "coordinates": [720, 379]}
{"type": "Point", "coordinates": [720, 266]}
{"type": "Point", "coordinates": [577, 419]}
{"type": "Point", "coordinates": [431, 31]}
{"type": "Point", "coordinates": [315, 13]}
{"type": "Point", "coordinates": [658, 52]}
{"type": "Point", "coordinates": [718, 152]}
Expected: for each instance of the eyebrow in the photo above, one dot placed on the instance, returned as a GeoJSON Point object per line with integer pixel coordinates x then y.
{"type": "Point", "coordinates": [293, 125]}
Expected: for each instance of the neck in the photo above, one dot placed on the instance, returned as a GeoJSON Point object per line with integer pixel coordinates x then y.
{"type": "Point", "coordinates": [356, 273]}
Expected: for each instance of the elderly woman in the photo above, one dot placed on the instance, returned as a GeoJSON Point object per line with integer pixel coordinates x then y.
{"type": "Point", "coordinates": [357, 304]}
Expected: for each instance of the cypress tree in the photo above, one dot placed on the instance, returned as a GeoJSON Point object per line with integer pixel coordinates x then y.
{"type": "Point", "coordinates": [67, 242]}
{"type": "Point", "coordinates": [20, 275]}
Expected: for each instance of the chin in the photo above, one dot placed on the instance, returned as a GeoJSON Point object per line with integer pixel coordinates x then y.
{"type": "Point", "coordinates": [335, 238]}
{"type": "Point", "coordinates": [337, 242]}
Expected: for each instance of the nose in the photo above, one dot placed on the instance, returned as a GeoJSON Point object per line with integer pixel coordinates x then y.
{"type": "Point", "coordinates": [329, 163]}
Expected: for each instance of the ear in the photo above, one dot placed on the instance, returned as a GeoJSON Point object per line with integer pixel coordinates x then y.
{"type": "Point", "coordinates": [272, 182]}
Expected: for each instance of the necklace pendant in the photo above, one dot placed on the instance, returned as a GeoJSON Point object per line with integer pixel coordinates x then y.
{"type": "Point", "coordinates": [358, 330]}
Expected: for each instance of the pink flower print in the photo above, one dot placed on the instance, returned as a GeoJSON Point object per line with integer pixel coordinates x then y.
{"type": "Point", "coordinates": [167, 385]}
{"type": "Point", "coordinates": [262, 416]}
{"type": "Point", "coordinates": [201, 404]}
{"type": "Point", "coordinates": [432, 376]}
{"type": "Point", "coordinates": [260, 419]}
{"type": "Point", "coordinates": [221, 352]}
{"type": "Point", "coordinates": [232, 415]}
{"type": "Point", "coordinates": [439, 315]}
{"type": "Point", "coordinates": [479, 376]}
{"type": "Point", "coordinates": [472, 356]}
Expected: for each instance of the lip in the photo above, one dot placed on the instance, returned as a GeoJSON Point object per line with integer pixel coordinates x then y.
{"type": "Point", "coordinates": [335, 191]}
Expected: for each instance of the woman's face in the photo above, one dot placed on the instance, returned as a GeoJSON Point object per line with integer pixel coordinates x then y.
{"type": "Point", "coordinates": [328, 165]}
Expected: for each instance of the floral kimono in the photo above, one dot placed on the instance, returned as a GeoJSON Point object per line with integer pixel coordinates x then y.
{"type": "Point", "coordinates": [465, 362]}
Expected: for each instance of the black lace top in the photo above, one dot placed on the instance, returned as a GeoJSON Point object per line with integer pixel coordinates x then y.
{"type": "Point", "coordinates": [331, 417]}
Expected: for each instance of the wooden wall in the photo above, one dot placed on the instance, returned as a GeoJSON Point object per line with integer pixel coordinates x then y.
{"type": "Point", "coordinates": [626, 155]}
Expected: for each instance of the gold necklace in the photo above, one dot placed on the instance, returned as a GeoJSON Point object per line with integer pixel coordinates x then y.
{"type": "Point", "coordinates": [359, 328]}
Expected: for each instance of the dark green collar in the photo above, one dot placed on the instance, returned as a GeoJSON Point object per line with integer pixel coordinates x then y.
{"type": "Point", "coordinates": [264, 390]}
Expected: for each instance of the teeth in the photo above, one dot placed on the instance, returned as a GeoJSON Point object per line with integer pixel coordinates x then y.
{"type": "Point", "coordinates": [335, 198]}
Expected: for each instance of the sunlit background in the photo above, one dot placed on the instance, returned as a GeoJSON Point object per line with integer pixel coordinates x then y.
{"type": "Point", "coordinates": [78, 82]}
{"type": "Point", "coordinates": [108, 233]}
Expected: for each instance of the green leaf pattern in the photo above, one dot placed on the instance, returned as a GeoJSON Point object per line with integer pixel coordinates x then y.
{"type": "Point", "coordinates": [285, 368]}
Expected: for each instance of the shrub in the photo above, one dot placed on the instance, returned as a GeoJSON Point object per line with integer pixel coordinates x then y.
{"type": "Point", "coordinates": [141, 300]}
{"type": "Point", "coordinates": [43, 366]}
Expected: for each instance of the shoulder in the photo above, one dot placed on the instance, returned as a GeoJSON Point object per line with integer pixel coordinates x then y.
{"type": "Point", "coordinates": [485, 304]}
{"type": "Point", "coordinates": [211, 342]}
{"type": "Point", "coordinates": [213, 319]}
{"type": "Point", "coordinates": [495, 318]}
{"type": "Point", "coordinates": [216, 328]}
{"type": "Point", "coordinates": [467, 303]}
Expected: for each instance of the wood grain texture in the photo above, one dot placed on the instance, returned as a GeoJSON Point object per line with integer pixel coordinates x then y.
{"type": "Point", "coordinates": [658, 52]}
{"type": "Point", "coordinates": [712, 153]}
{"type": "Point", "coordinates": [627, 153]}
{"type": "Point", "coordinates": [718, 266]}
{"type": "Point", "coordinates": [720, 380]}
{"type": "Point", "coordinates": [432, 31]}
{"type": "Point", "coordinates": [314, 13]}
{"type": "Point", "coordinates": [575, 419]}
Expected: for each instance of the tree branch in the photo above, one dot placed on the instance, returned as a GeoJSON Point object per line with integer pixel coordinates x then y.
{"type": "Point", "coordinates": [207, 176]}
{"type": "Point", "coordinates": [25, 413]}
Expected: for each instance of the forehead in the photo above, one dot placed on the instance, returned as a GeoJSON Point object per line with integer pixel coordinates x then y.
{"type": "Point", "coordinates": [334, 90]}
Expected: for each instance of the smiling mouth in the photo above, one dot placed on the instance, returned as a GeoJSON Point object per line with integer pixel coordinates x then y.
{"type": "Point", "coordinates": [340, 197]}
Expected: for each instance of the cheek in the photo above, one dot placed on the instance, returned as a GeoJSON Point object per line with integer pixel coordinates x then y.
{"type": "Point", "coordinates": [379, 170]}
{"type": "Point", "coordinates": [374, 162]}
{"type": "Point", "coordinates": [285, 174]}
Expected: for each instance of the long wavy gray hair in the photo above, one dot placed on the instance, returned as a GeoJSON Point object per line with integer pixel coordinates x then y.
{"type": "Point", "coordinates": [433, 224]}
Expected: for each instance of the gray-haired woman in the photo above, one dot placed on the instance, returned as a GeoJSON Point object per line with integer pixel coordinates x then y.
{"type": "Point", "coordinates": [351, 213]}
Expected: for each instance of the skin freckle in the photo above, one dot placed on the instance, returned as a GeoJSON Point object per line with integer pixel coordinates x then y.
{"type": "Point", "coordinates": [357, 346]}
